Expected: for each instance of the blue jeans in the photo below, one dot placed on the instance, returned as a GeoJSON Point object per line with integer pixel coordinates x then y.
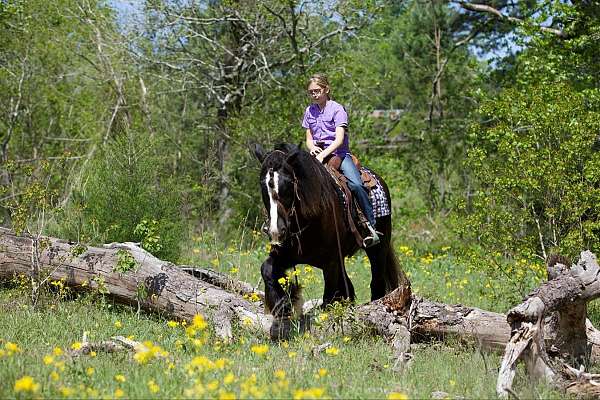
{"type": "Point", "coordinates": [356, 187]}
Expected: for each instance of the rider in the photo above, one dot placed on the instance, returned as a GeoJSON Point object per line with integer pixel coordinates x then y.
{"type": "Point", "coordinates": [326, 124]}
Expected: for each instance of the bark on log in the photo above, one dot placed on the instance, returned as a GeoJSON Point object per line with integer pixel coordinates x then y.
{"type": "Point", "coordinates": [550, 331]}
{"type": "Point", "coordinates": [182, 292]}
{"type": "Point", "coordinates": [544, 331]}
{"type": "Point", "coordinates": [152, 284]}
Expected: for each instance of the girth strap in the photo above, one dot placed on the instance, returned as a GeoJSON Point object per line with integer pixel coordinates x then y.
{"type": "Point", "coordinates": [341, 181]}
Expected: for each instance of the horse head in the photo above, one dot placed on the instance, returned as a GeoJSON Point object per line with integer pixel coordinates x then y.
{"type": "Point", "coordinates": [279, 189]}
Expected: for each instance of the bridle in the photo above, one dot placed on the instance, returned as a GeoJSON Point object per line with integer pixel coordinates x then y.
{"type": "Point", "coordinates": [287, 213]}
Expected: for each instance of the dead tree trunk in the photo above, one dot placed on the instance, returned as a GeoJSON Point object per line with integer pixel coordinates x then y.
{"type": "Point", "coordinates": [151, 284]}
{"type": "Point", "coordinates": [182, 292]}
{"type": "Point", "coordinates": [547, 331]}
{"type": "Point", "coordinates": [550, 331]}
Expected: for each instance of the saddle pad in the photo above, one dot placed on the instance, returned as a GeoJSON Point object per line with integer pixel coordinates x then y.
{"type": "Point", "coordinates": [377, 196]}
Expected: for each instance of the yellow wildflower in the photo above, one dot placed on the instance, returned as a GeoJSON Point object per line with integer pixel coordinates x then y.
{"type": "Point", "coordinates": [254, 297]}
{"type": "Point", "coordinates": [173, 324]}
{"type": "Point", "coordinates": [90, 371]}
{"type": "Point", "coordinates": [26, 384]}
{"type": "Point", "coordinates": [54, 376]}
{"type": "Point", "coordinates": [322, 317]}
{"type": "Point", "coordinates": [148, 351]}
{"type": "Point", "coordinates": [118, 393]}
{"type": "Point", "coordinates": [292, 354]}
{"type": "Point", "coordinates": [313, 393]}
{"type": "Point", "coordinates": [260, 349]}
{"type": "Point", "coordinates": [48, 359]}
{"type": "Point", "coordinates": [120, 378]}
{"type": "Point", "coordinates": [397, 396]}
{"type": "Point", "coordinates": [199, 322]}
{"type": "Point", "coordinates": [279, 374]}
{"type": "Point", "coordinates": [12, 348]}
{"type": "Point", "coordinates": [226, 395]}
{"type": "Point", "coordinates": [229, 378]}
{"type": "Point", "coordinates": [332, 351]}
{"type": "Point", "coordinates": [346, 339]}
{"type": "Point", "coordinates": [212, 385]}
{"type": "Point", "coordinates": [152, 386]}
{"type": "Point", "coordinates": [322, 372]}
{"type": "Point", "coordinates": [200, 363]}
{"type": "Point", "coordinates": [76, 346]}
{"type": "Point", "coordinates": [66, 391]}
{"type": "Point", "coordinates": [197, 391]}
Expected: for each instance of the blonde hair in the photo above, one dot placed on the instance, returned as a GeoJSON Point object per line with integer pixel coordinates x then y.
{"type": "Point", "coordinates": [321, 81]}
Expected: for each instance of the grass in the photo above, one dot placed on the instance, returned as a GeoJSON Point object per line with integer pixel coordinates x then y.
{"type": "Point", "coordinates": [201, 366]}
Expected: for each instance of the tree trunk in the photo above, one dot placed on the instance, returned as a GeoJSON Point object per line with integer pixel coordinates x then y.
{"type": "Point", "coordinates": [152, 284]}
{"type": "Point", "coordinates": [548, 330]}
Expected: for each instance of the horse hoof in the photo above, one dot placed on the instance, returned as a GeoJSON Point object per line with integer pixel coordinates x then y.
{"type": "Point", "coordinates": [281, 329]}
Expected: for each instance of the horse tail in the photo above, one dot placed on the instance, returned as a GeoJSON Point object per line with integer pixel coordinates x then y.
{"type": "Point", "coordinates": [391, 271]}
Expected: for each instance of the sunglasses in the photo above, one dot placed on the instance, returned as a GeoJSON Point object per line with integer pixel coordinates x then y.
{"type": "Point", "coordinates": [315, 91]}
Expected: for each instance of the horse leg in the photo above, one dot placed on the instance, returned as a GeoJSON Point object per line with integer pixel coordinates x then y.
{"type": "Point", "coordinates": [377, 257]}
{"type": "Point", "coordinates": [278, 301]}
{"type": "Point", "coordinates": [337, 284]}
{"type": "Point", "coordinates": [383, 269]}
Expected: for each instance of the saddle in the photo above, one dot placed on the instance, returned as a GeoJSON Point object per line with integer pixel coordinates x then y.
{"type": "Point", "coordinates": [352, 209]}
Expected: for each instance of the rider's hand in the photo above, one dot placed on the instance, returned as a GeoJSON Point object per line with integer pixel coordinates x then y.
{"type": "Point", "coordinates": [315, 150]}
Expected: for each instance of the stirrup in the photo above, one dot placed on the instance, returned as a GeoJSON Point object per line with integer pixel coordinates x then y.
{"type": "Point", "coordinates": [370, 241]}
{"type": "Point", "coordinates": [373, 238]}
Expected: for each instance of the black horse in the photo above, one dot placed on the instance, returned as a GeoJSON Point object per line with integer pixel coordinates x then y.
{"type": "Point", "coordinates": [307, 224]}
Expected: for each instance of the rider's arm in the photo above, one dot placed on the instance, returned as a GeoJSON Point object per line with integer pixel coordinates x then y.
{"type": "Point", "coordinates": [339, 139]}
{"type": "Point", "coordinates": [310, 145]}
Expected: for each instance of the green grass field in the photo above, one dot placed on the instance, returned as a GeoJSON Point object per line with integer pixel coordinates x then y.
{"type": "Point", "coordinates": [34, 342]}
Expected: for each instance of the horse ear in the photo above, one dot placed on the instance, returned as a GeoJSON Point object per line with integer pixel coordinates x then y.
{"type": "Point", "coordinates": [258, 151]}
{"type": "Point", "coordinates": [295, 160]}
{"type": "Point", "coordinates": [287, 148]}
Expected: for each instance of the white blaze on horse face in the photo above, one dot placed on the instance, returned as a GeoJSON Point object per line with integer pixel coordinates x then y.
{"type": "Point", "coordinates": [273, 215]}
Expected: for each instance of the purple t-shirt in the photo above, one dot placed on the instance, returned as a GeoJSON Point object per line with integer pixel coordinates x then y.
{"type": "Point", "coordinates": [322, 125]}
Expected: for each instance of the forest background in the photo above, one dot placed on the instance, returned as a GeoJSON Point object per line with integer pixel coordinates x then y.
{"type": "Point", "coordinates": [132, 122]}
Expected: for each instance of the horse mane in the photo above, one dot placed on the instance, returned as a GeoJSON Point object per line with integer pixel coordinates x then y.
{"type": "Point", "coordinates": [316, 189]}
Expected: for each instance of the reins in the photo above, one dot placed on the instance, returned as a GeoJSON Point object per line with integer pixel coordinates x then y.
{"type": "Point", "coordinates": [339, 246]}
{"type": "Point", "coordinates": [292, 212]}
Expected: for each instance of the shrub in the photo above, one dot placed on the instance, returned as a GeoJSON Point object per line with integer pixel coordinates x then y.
{"type": "Point", "coordinates": [127, 196]}
{"type": "Point", "coordinates": [539, 173]}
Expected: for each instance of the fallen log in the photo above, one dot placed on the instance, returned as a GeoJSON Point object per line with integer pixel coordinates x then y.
{"type": "Point", "coordinates": [129, 275]}
{"type": "Point", "coordinates": [548, 329]}
{"type": "Point", "coordinates": [181, 292]}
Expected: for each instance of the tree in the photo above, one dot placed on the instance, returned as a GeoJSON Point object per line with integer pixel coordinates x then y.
{"type": "Point", "coordinates": [535, 150]}
{"type": "Point", "coordinates": [227, 55]}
